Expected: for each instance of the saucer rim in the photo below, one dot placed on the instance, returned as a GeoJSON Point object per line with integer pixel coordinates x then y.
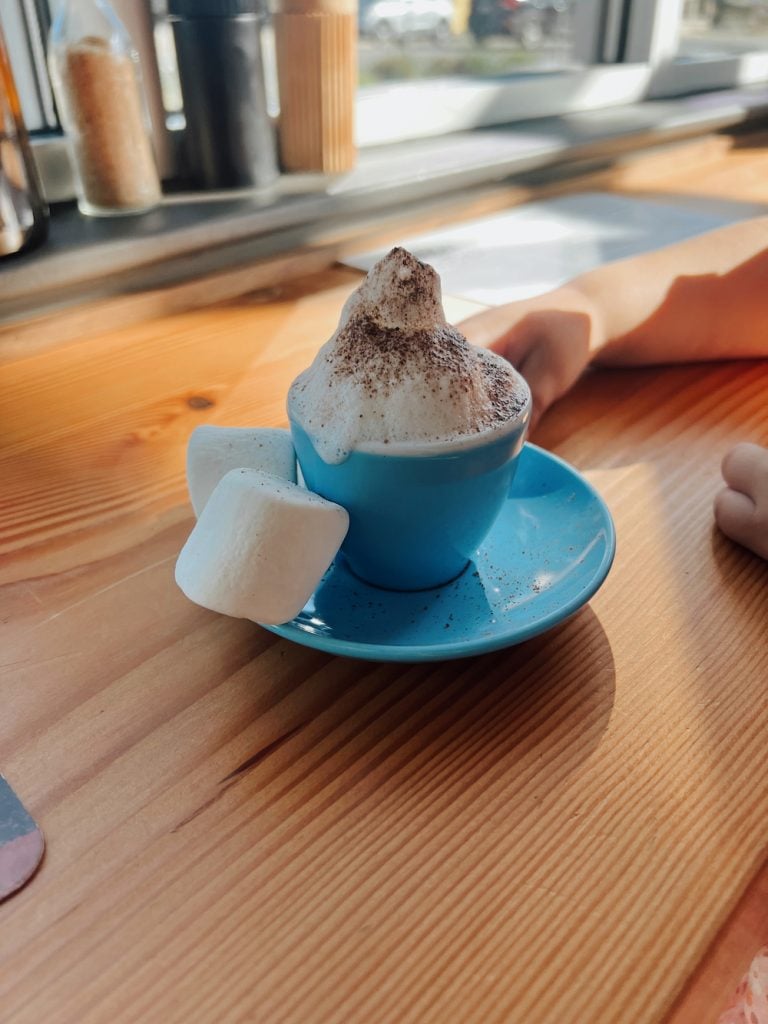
{"type": "Point", "coordinates": [415, 653]}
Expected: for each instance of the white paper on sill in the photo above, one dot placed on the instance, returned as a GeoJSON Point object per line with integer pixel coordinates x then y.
{"type": "Point", "coordinates": [537, 246]}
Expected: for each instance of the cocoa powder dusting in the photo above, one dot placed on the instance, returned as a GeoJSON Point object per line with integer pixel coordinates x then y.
{"type": "Point", "coordinates": [380, 359]}
{"type": "Point", "coordinates": [396, 371]}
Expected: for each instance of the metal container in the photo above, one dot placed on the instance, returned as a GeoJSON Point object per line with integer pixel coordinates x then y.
{"type": "Point", "coordinates": [230, 140]}
{"type": "Point", "coordinates": [23, 210]}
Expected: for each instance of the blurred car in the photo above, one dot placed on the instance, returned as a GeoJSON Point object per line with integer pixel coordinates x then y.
{"type": "Point", "coordinates": [722, 9]}
{"type": "Point", "coordinates": [399, 19]}
{"type": "Point", "coordinates": [530, 22]}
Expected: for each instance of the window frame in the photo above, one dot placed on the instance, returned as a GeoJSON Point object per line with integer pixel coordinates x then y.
{"type": "Point", "coordinates": [25, 26]}
{"type": "Point", "coordinates": [631, 54]}
{"type": "Point", "coordinates": [441, 106]}
{"type": "Point", "coordinates": [654, 36]}
{"type": "Point", "coordinates": [401, 111]}
{"type": "Point", "coordinates": [628, 49]}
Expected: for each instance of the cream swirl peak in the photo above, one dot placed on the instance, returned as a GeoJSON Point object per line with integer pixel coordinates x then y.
{"type": "Point", "coordinates": [395, 373]}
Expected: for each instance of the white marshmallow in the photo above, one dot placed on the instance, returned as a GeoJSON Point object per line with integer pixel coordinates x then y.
{"type": "Point", "coordinates": [213, 451]}
{"type": "Point", "coordinates": [260, 547]}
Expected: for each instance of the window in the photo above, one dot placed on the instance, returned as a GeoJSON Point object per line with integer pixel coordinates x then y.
{"type": "Point", "coordinates": [401, 42]}
{"type": "Point", "coordinates": [416, 39]}
{"type": "Point", "coordinates": [712, 29]}
{"type": "Point", "coordinates": [428, 67]}
{"type": "Point", "coordinates": [497, 61]}
{"type": "Point", "coordinates": [712, 44]}
{"type": "Point", "coordinates": [25, 25]}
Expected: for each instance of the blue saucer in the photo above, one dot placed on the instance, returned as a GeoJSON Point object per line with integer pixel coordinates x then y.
{"type": "Point", "coordinates": [547, 554]}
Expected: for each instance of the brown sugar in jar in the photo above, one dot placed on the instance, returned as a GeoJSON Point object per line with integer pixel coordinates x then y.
{"type": "Point", "coordinates": [104, 113]}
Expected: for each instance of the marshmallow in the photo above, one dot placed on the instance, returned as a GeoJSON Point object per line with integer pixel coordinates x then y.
{"type": "Point", "coordinates": [213, 451]}
{"type": "Point", "coordinates": [260, 547]}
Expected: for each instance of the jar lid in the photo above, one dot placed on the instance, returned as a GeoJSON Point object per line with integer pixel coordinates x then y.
{"type": "Point", "coordinates": [215, 8]}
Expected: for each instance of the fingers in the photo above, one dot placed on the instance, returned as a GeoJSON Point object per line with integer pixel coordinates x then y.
{"type": "Point", "coordinates": [488, 329]}
{"type": "Point", "coordinates": [541, 380]}
{"type": "Point", "coordinates": [549, 346]}
{"type": "Point", "coordinates": [510, 333]}
{"type": "Point", "coordinates": [737, 517]}
{"type": "Point", "coordinates": [517, 343]}
{"type": "Point", "coordinates": [741, 509]}
{"type": "Point", "coordinates": [734, 512]}
{"type": "Point", "coordinates": [745, 469]}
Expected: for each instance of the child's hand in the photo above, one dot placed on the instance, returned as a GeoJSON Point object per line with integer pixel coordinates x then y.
{"type": "Point", "coordinates": [741, 508]}
{"type": "Point", "coordinates": [548, 339]}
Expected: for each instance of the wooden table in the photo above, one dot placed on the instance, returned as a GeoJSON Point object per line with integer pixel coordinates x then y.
{"type": "Point", "coordinates": [241, 829]}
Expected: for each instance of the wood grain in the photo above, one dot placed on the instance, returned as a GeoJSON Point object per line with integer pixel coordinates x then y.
{"type": "Point", "coordinates": [729, 957]}
{"type": "Point", "coordinates": [240, 829]}
{"type": "Point", "coordinates": [317, 71]}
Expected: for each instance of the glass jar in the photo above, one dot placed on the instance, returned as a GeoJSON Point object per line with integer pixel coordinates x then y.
{"type": "Point", "coordinates": [23, 211]}
{"type": "Point", "coordinates": [97, 83]}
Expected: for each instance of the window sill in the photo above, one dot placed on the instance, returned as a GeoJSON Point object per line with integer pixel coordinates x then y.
{"type": "Point", "coordinates": [195, 234]}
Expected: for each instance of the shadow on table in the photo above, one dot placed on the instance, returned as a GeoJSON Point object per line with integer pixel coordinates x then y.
{"type": "Point", "coordinates": [546, 700]}
{"type": "Point", "coordinates": [652, 440]}
{"type": "Point", "coordinates": [544, 703]}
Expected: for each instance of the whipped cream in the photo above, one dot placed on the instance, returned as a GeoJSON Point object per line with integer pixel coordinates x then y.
{"type": "Point", "coordinates": [396, 374]}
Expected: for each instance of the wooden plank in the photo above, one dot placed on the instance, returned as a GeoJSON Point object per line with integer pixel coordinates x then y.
{"type": "Point", "coordinates": [239, 828]}
{"type": "Point", "coordinates": [242, 829]}
{"type": "Point", "coordinates": [727, 961]}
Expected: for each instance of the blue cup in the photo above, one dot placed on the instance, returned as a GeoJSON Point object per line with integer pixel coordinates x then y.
{"type": "Point", "coordinates": [417, 519]}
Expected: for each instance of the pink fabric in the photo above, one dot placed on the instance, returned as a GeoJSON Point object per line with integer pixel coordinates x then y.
{"type": "Point", "coordinates": [750, 1004]}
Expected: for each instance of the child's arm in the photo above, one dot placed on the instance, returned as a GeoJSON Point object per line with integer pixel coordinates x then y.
{"type": "Point", "coordinates": [705, 298]}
